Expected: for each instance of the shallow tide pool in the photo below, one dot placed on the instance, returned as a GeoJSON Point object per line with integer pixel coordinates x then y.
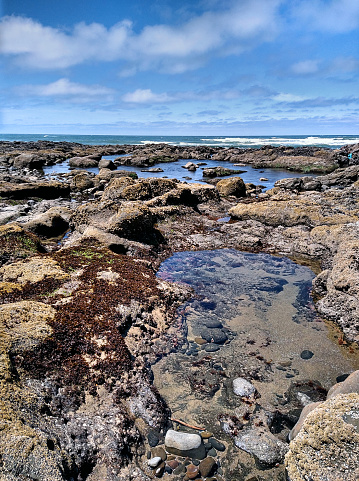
{"type": "Point", "coordinates": [252, 315]}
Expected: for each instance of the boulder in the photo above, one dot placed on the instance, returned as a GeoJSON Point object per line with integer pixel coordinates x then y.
{"type": "Point", "coordinates": [263, 445]}
{"type": "Point", "coordinates": [327, 446]}
{"type": "Point", "coordinates": [82, 181]}
{"type": "Point", "coordinates": [349, 385]}
{"type": "Point", "coordinates": [105, 175]}
{"type": "Point", "coordinates": [51, 223]}
{"type": "Point", "coordinates": [107, 164]}
{"type": "Point", "coordinates": [232, 186]}
{"type": "Point", "coordinates": [32, 161]}
{"type": "Point", "coordinates": [85, 162]}
{"type": "Point", "coordinates": [16, 243]}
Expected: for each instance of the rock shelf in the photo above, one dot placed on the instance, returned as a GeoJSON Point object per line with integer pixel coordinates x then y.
{"type": "Point", "coordinates": [83, 315]}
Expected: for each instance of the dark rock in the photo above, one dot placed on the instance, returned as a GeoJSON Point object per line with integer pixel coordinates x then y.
{"type": "Point", "coordinates": [213, 323]}
{"type": "Point", "coordinates": [153, 439]}
{"type": "Point", "coordinates": [211, 347]}
{"type": "Point", "coordinates": [306, 354]}
{"type": "Point", "coordinates": [160, 452]}
{"type": "Point", "coordinates": [217, 444]}
{"type": "Point", "coordinates": [214, 335]}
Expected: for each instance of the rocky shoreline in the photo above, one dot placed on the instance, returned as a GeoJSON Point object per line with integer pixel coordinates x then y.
{"type": "Point", "coordinates": [83, 315]}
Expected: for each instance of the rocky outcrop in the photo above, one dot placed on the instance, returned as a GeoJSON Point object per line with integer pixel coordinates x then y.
{"type": "Point", "coordinates": [44, 190]}
{"type": "Point", "coordinates": [327, 446]}
{"type": "Point", "coordinates": [233, 186]}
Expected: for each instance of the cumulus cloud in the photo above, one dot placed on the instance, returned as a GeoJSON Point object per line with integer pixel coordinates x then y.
{"type": "Point", "coordinates": [173, 48]}
{"type": "Point", "coordinates": [288, 98]}
{"type": "Point", "coordinates": [334, 16]}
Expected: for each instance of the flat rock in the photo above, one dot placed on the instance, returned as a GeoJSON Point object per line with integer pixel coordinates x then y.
{"type": "Point", "coordinates": [263, 445]}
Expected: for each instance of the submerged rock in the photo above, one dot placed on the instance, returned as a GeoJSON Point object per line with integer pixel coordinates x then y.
{"type": "Point", "coordinates": [185, 444]}
{"type": "Point", "coordinates": [242, 387]}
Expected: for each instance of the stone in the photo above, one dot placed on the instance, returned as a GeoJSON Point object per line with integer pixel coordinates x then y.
{"type": "Point", "coordinates": [266, 448]}
{"type": "Point", "coordinates": [184, 444]}
{"type": "Point", "coordinates": [214, 335]}
{"type": "Point", "coordinates": [154, 462]}
{"type": "Point", "coordinates": [213, 323]}
{"type": "Point", "coordinates": [153, 439]}
{"type": "Point", "coordinates": [217, 444]}
{"type": "Point", "coordinates": [87, 161]}
{"type": "Point", "coordinates": [212, 452]}
{"type": "Point", "coordinates": [243, 388]}
{"type": "Point", "coordinates": [51, 223]}
{"type": "Point", "coordinates": [206, 435]}
{"type": "Point", "coordinates": [305, 411]}
{"type": "Point", "coordinates": [327, 445]}
{"type": "Point", "coordinates": [192, 471]}
{"type": "Point", "coordinates": [106, 164]}
{"type": "Point", "coordinates": [207, 466]}
{"type": "Point", "coordinates": [211, 347]}
{"type": "Point", "coordinates": [34, 269]}
{"type": "Point", "coordinates": [159, 452]}
{"type": "Point", "coordinates": [306, 354]}
{"type": "Point", "coordinates": [350, 384]}
{"type": "Point", "coordinates": [233, 186]}
{"type": "Point", "coordinates": [82, 181]}
{"type": "Point", "coordinates": [173, 464]}
{"type": "Point", "coordinates": [160, 470]}
{"type": "Point", "coordinates": [41, 189]}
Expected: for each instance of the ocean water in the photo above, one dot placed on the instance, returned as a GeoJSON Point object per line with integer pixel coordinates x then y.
{"type": "Point", "coordinates": [329, 141]}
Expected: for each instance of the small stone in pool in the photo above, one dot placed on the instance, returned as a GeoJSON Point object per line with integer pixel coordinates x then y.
{"type": "Point", "coordinates": [342, 377]}
{"type": "Point", "coordinates": [211, 347]}
{"type": "Point", "coordinates": [289, 375]}
{"type": "Point", "coordinates": [217, 444]}
{"type": "Point", "coordinates": [212, 452]}
{"type": "Point", "coordinates": [306, 354]}
{"type": "Point", "coordinates": [213, 323]}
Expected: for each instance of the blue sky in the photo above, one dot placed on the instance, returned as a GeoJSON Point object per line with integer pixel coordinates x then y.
{"type": "Point", "coordinates": [215, 67]}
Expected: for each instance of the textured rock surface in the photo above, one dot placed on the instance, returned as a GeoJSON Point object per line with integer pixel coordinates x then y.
{"type": "Point", "coordinates": [327, 447]}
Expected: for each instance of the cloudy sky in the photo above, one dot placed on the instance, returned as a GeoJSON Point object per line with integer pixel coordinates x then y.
{"type": "Point", "coordinates": [199, 67]}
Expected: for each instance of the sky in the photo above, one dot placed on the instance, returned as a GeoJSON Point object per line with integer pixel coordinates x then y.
{"type": "Point", "coordinates": [169, 67]}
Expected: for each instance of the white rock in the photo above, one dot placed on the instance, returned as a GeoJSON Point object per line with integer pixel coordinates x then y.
{"type": "Point", "coordinates": [154, 462]}
{"type": "Point", "coordinates": [242, 387]}
{"type": "Point", "coordinates": [182, 441]}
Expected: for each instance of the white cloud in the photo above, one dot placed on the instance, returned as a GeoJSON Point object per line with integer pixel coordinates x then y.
{"type": "Point", "coordinates": [334, 16]}
{"type": "Point", "coordinates": [146, 96]}
{"type": "Point", "coordinates": [289, 98]}
{"type": "Point", "coordinates": [64, 88]}
{"type": "Point", "coordinates": [172, 48]}
{"type": "Point", "coordinates": [306, 67]}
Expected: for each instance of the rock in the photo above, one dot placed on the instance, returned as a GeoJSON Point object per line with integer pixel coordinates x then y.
{"type": "Point", "coordinates": [159, 452]}
{"type": "Point", "coordinates": [213, 323]}
{"type": "Point", "coordinates": [106, 175]}
{"type": "Point", "coordinates": [184, 444]}
{"type": "Point", "coordinates": [219, 172]}
{"type": "Point", "coordinates": [107, 164]}
{"type": "Point", "coordinates": [233, 186]}
{"type": "Point", "coordinates": [305, 411]}
{"type": "Point", "coordinates": [31, 161]}
{"type": "Point", "coordinates": [349, 385]}
{"type": "Point", "coordinates": [41, 189]}
{"type": "Point", "coordinates": [82, 181]}
{"type": "Point", "coordinates": [206, 435]}
{"type": "Point", "coordinates": [86, 162]}
{"type": "Point", "coordinates": [327, 446]}
{"type": "Point", "coordinates": [263, 179]}
{"type": "Point", "coordinates": [33, 270]}
{"type": "Point", "coordinates": [306, 354]}
{"type": "Point", "coordinates": [190, 166]}
{"type": "Point", "coordinates": [154, 462]}
{"type": "Point", "coordinates": [207, 467]}
{"type": "Point", "coordinates": [217, 444]}
{"type": "Point", "coordinates": [173, 464]}
{"type": "Point", "coordinates": [16, 243]}
{"type": "Point", "coordinates": [153, 439]}
{"type": "Point", "coordinates": [160, 470]}
{"type": "Point", "coordinates": [202, 192]}
{"type": "Point", "coordinates": [242, 387]}
{"type": "Point", "coordinates": [51, 223]}
{"type": "Point", "coordinates": [263, 445]}
{"type": "Point", "coordinates": [211, 347]}
{"type": "Point", "coordinates": [214, 335]}
{"type": "Point", "coordinates": [192, 471]}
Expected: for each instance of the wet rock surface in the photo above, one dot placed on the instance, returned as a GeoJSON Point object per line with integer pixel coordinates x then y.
{"type": "Point", "coordinates": [85, 321]}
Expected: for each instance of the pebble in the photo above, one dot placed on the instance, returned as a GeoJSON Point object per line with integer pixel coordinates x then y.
{"type": "Point", "coordinates": [211, 347]}
{"type": "Point", "coordinates": [217, 444]}
{"type": "Point", "coordinates": [154, 462]}
{"type": "Point", "coordinates": [160, 470]}
{"type": "Point", "coordinates": [192, 471]}
{"type": "Point", "coordinates": [214, 335]}
{"type": "Point", "coordinates": [173, 464]}
{"type": "Point", "coordinates": [184, 444]}
{"type": "Point", "coordinates": [206, 467]}
{"type": "Point", "coordinates": [242, 387]}
{"type": "Point", "coordinates": [213, 323]}
{"type": "Point", "coordinates": [306, 354]}
{"type": "Point", "coordinates": [200, 341]}
{"type": "Point", "coordinates": [160, 452]}
{"type": "Point", "coordinates": [180, 469]}
{"type": "Point", "coordinates": [206, 435]}
{"type": "Point", "coordinates": [212, 452]}
{"type": "Point", "coordinates": [195, 462]}
{"type": "Point", "coordinates": [153, 439]}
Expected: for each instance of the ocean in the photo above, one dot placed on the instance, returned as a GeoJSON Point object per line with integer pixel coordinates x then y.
{"type": "Point", "coordinates": [328, 141]}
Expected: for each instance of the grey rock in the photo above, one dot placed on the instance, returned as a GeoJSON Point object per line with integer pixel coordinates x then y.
{"type": "Point", "coordinates": [185, 444]}
{"type": "Point", "coordinates": [242, 387]}
{"type": "Point", "coordinates": [154, 462]}
{"type": "Point", "coordinates": [263, 445]}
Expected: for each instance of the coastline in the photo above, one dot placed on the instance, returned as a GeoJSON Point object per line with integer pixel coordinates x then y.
{"type": "Point", "coordinates": [78, 260]}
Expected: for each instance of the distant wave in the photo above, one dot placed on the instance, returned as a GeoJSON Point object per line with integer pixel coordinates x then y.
{"type": "Point", "coordinates": [289, 141]}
